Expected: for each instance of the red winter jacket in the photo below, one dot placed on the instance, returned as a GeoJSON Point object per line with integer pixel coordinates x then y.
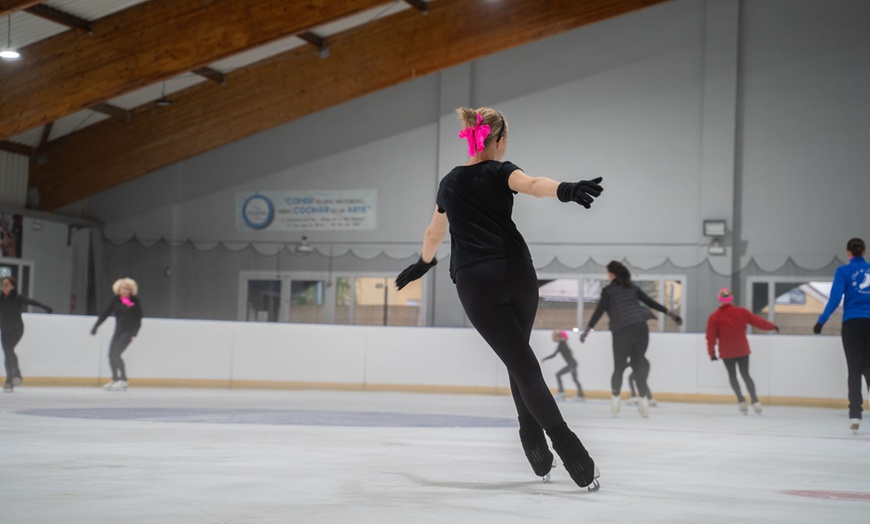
{"type": "Point", "coordinates": [728, 325]}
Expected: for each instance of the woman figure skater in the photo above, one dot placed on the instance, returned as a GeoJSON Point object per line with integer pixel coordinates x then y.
{"type": "Point", "coordinates": [621, 300]}
{"type": "Point", "coordinates": [728, 325]}
{"type": "Point", "coordinates": [852, 285]}
{"type": "Point", "coordinates": [561, 338]}
{"type": "Point", "coordinates": [12, 327]}
{"type": "Point", "coordinates": [128, 319]}
{"type": "Point", "coordinates": [496, 281]}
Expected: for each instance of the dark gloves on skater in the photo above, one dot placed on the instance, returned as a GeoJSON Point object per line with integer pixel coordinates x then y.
{"type": "Point", "coordinates": [678, 320]}
{"type": "Point", "coordinates": [713, 358]}
{"type": "Point", "coordinates": [584, 335]}
{"type": "Point", "coordinates": [582, 192]}
{"type": "Point", "coordinates": [414, 271]}
{"type": "Point", "coordinates": [94, 330]}
{"type": "Point", "coordinates": [817, 329]}
{"type": "Point", "coordinates": [776, 328]}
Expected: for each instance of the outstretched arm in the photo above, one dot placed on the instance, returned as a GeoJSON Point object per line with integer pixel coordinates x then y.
{"type": "Point", "coordinates": [582, 192]}
{"type": "Point", "coordinates": [435, 233]}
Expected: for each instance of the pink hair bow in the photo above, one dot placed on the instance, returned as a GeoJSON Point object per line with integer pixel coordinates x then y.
{"type": "Point", "coordinates": [475, 135]}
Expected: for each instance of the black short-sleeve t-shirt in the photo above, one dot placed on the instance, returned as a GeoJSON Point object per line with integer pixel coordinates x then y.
{"type": "Point", "coordinates": [479, 203]}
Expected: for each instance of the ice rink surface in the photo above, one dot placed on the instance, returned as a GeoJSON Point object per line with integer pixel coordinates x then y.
{"type": "Point", "coordinates": [83, 455]}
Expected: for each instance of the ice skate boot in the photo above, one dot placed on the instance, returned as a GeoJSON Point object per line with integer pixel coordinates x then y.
{"type": "Point", "coordinates": [535, 446]}
{"type": "Point", "coordinates": [854, 424]}
{"type": "Point", "coordinates": [7, 387]}
{"type": "Point", "coordinates": [643, 407]}
{"type": "Point", "coordinates": [108, 385]}
{"type": "Point", "coordinates": [743, 407]}
{"type": "Point", "coordinates": [118, 385]}
{"type": "Point", "coordinates": [652, 402]}
{"type": "Point", "coordinates": [756, 406]}
{"type": "Point", "coordinates": [615, 403]}
{"type": "Point", "coordinates": [575, 458]}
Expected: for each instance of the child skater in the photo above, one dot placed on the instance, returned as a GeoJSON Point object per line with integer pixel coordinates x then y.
{"type": "Point", "coordinates": [561, 338]}
{"type": "Point", "coordinates": [728, 325]}
{"type": "Point", "coordinates": [127, 310]}
{"type": "Point", "coordinates": [496, 281]}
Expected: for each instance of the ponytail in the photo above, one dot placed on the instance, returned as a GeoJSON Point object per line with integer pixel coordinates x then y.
{"type": "Point", "coordinates": [856, 247]}
{"type": "Point", "coordinates": [622, 274]}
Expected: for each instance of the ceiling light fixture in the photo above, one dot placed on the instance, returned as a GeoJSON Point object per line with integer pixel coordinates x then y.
{"type": "Point", "coordinates": [9, 53]}
{"type": "Point", "coordinates": [163, 101]}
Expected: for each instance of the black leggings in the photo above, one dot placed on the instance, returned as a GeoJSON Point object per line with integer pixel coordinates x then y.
{"type": "Point", "coordinates": [500, 298]}
{"type": "Point", "coordinates": [10, 339]}
{"type": "Point", "coordinates": [573, 370]}
{"type": "Point", "coordinates": [856, 344]}
{"type": "Point", "coordinates": [743, 362]}
{"type": "Point", "coordinates": [120, 341]}
{"type": "Point", "coordinates": [629, 349]}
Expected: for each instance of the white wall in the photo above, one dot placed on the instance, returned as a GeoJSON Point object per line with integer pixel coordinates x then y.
{"type": "Point", "coordinates": [60, 346]}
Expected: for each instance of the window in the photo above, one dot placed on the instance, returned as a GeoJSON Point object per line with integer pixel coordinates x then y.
{"type": "Point", "coordinates": [793, 304]}
{"type": "Point", "coordinates": [312, 298]}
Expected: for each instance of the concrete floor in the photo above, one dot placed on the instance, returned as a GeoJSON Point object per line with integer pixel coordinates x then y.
{"type": "Point", "coordinates": [83, 455]}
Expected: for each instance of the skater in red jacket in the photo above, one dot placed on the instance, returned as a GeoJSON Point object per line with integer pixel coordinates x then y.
{"type": "Point", "coordinates": [728, 325]}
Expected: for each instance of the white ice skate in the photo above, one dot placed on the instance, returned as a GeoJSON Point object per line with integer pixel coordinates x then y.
{"type": "Point", "coordinates": [756, 406]}
{"type": "Point", "coordinates": [118, 385]}
{"type": "Point", "coordinates": [854, 424]}
{"type": "Point", "coordinates": [643, 407]}
{"type": "Point", "coordinates": [743, 407]}
{"type": "Point", "coordinates": [615, 403]}
{"type": "Point", "coordinates": [108, 385]}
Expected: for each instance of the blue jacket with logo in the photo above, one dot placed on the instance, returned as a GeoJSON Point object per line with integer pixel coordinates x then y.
{"type": "Point", "coordinates": [851, 280]}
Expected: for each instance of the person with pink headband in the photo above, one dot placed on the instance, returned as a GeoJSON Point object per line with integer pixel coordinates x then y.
{"type": "Point", "coordinates": [127, 309]}
{"type": "Point", "coordinates": [496, 281]}
{"type": "Point", "coordinates": [561, 339]}
{"type": "Point", "coordinates": [727, 326]}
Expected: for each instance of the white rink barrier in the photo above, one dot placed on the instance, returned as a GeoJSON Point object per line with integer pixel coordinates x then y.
{"type": "Point", "coordinates": [59, 350]}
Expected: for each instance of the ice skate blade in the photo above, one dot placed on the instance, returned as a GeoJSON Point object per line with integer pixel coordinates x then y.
{"type": "Point", "coordinates": [595, 486]}
{"type": "Point", "coordinates": [546, 479]}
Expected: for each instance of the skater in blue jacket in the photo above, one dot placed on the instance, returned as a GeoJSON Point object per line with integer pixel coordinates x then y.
{"type": "Point", "coordinates": [852, 285]}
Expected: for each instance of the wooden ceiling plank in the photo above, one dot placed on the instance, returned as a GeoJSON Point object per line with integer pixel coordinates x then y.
{"type": "Point", "coordinates": [286, 87]}
{"type": "Point", "coordinates": [61, 17]}
{"type": "Point", "coordinates": [143, 45]}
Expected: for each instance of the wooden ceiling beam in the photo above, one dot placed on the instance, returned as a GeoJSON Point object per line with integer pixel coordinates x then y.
{"type": "Point", "coordinates": [8, 7]}
{"type": "Point", "coordinates": [212, 74]}
{"type": "Point", "coordinates": [113, 111]}
{"type": "Point", "coordinates": [61, 17]}
{"type": "Point", "coordinates": [16, 148]}
{"type": "Point", "coordinates": [420, 5]}
{"type": "Point", "coordinates": [143, 45]}
{"type": "Point", "coordinates": [363, 60]}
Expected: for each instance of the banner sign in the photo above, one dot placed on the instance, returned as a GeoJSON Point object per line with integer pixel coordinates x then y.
{"type": "Point", "coordinates": [307, 210]}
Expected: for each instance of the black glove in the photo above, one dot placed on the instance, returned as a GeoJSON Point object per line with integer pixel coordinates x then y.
{"type": "Point", "coordinates": [48, 310]}
{"type": "Point", "coordinates": [776, 328]}
{"type": "Point", "coordinates": [414, 271]}
{"type": "Point", "coordinates": [582, 192]}
{"type": "Point", "coordinates": [94, 330]}
{"type": "Point", "coordinates": [676, 318]}
{"type": "Point", "coordinates": [714, 358]}
{"type": "Point", "coordinates": [817, 329]}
